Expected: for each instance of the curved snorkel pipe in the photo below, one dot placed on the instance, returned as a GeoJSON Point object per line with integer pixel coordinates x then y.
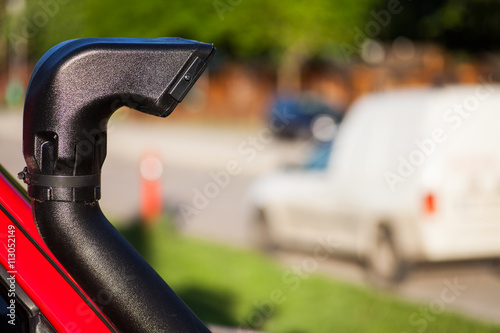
{"type": "Point", "coordinates": [74, 90]}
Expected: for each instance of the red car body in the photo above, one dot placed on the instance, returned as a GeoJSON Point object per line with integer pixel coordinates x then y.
{"type": "Point", "coordinates": [37, 272]}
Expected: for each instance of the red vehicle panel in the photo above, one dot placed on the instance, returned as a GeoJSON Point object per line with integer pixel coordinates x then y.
{"type": "Point", "coordinates": [37, 271]}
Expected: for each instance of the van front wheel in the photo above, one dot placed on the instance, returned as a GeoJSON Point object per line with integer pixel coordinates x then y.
{"type": "Point", "coordinates": [384, 265]}
{"type": "Point", "coordinates": [260, 235]}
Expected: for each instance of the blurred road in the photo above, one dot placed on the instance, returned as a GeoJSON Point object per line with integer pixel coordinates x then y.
{"type": "Point", "coordinates": [195, 156]}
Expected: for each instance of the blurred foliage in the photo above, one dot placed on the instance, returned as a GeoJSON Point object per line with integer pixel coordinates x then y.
{"type": "Point", "coordinates": [466, 25]}
{"type": "Point", "coordinates": [3, 34]}
{"type": "Point", "coordinates": [253, 29]}
{"type": "Point", "coordinates": [243, 28]}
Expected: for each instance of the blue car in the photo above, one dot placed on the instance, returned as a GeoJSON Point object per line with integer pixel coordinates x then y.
{"type": "Point", "coordinates": [295, 117]}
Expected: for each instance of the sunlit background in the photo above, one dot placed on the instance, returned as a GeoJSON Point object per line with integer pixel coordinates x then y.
{"type": "Point", "coordinates": [273, 198]}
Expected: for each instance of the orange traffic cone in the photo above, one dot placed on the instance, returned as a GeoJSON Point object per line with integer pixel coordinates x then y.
{"type": "Point", "coordinates": [151, 198]}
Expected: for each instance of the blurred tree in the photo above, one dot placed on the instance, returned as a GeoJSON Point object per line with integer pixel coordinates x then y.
{"type": "Point", "coordinates": [287, 33]}
{"type": "Point", "coordinates": [3, 36]}
{"type": "Point", "coordinates": [464, 25]}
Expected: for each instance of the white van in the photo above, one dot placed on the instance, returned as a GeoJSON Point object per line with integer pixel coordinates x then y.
{"type": "Point", "coordinates": [414, 175]}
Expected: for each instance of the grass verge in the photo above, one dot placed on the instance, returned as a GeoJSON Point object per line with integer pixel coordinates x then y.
{"type": "Point", "coordinates": [241, 288]}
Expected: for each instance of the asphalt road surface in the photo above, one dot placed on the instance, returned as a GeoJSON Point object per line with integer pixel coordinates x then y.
{"type": "Point", "coordinates": [194, 156]}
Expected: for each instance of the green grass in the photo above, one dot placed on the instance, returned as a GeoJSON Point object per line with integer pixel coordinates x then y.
{"type": "Point", "coordinates": [242, 288]}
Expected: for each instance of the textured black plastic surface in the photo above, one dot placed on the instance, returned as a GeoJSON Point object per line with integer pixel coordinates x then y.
{"type": "Point", "coordinates": [73, 91]}
{"type": "Point", "coordinates": [122, 284]}
{"type": "Point", "coordinates": [76, 87]}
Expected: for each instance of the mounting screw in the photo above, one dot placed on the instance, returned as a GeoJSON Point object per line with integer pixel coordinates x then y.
{"type": "Point", "coordinates": [23, 174]}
